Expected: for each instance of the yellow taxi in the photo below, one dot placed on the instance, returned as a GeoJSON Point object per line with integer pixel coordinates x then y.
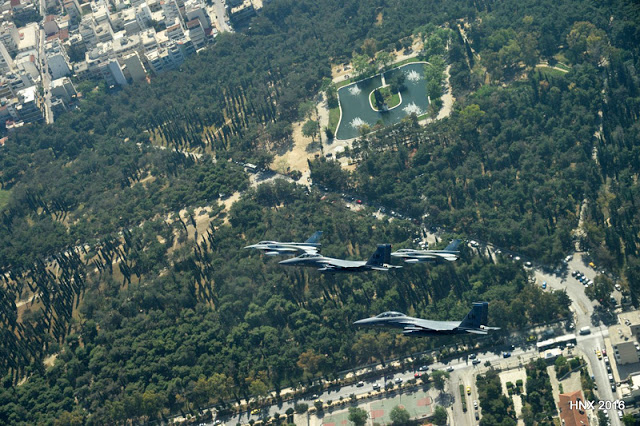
{"type": "Point", "coordinates": [468, 390]}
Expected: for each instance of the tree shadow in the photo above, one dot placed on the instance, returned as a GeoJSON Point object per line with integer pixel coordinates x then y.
{"type": "Point", "coordinates": [284, 146]}
{"type": "Point", "coordinates": [314, 146]}
{"type": "Point", "coordinates": [445, 399]}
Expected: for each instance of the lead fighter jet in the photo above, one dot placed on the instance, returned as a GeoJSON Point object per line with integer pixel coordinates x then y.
{"type": "Point", "coordinates": [450, 253]}
{"type": "Point", "coordinates": [272, 248]}
{"type": "Point", "coordinates": [379, 261]}
{"type": "Point", "coordinates": [475, 323]}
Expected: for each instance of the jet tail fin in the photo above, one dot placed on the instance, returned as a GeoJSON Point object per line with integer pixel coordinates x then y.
{"type": "Point", "coordinates": [381, 256]}
{"type": "Point", "coordinates": [477, 316]}
{"type": "Point", "coordinates": [314, 238]}
{"type": "Point", "coordinates": [453, 246]}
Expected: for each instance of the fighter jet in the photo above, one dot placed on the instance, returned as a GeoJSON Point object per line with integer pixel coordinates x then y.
{"type": "Point", "coordinates": [450, 253]}
{"type": "Point", "coordinates": [272, 248]}
{"type": "Point", "coordinates": [378, 262]}
{"type": "Point", "coordinates": [475, 323]}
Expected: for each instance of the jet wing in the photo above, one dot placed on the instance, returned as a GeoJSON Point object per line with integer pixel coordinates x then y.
{"type": "Point", "coordinates": [283, 249]}
{"type": "Point", "coordinates": [378, 268]}
{"type": "Point", "coordinates": [429, 325]}
{"type": "Point", "coordinates": [475, 331]}
{"type": "Point", "coordinates": [341, 264]}
{"type": "Point", "coordinates": [425, 255]}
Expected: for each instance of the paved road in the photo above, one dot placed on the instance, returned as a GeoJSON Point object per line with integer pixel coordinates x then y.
{"type": "Point", "coordinates": [583, 308]}
{"type": "Point", "coordinates": [45, 78]}
{"type": "Point", "coordinates": [221, 16]}
{"type": "Point", "coordinates": [463, 370]}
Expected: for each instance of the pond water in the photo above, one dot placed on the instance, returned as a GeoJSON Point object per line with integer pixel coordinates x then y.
{"type": "Point", "coordinates": [356, 109]}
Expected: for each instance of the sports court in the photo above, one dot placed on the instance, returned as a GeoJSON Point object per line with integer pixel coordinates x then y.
{"type": "Point", "coordinates": [419, 404]}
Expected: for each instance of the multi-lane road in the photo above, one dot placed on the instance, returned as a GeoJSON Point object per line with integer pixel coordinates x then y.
{"type": "Point", "coordinates": [463, 372]}
{"type": "Point", "coordinates": [583, 309]}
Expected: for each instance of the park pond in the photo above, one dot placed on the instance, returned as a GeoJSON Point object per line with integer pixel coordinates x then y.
{"type": "Point", "coordinates": [356, 109]}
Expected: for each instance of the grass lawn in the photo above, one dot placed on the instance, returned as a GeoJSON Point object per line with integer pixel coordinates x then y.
{"type": "Point", "coordinates": [391, 99]}
{"type": "Point", "coordinates": [344, 83]}
{"type": "Point", "coordinates": [407, 61]}
{"type": "Point", "coordinates": [394, 100]}
{"type": "Point", "coordinates": [397, 64]}
{"type": "Point", "coordinates": [551, 72]}
{"type": "Point", "coordinates": [334, 117]}
{"type": "Point", "coordinates": [4, 198]}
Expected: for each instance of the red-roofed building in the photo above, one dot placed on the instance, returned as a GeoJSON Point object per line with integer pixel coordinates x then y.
{"type": "Point", "coordinates": [571, 411]}
{"type": "Point", "coordinates": [61, 35]}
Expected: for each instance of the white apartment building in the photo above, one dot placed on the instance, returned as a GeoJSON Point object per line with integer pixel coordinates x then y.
{"type": "Point", "coordinates": [57, 59]}
{"type": "Point", "coordinates": [9, 36]}
{"type": "Point", "coordinates": [6, 63]}
{"type": "Point", "coordinates": [133, 68]}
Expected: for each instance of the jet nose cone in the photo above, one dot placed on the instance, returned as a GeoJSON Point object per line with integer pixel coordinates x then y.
{"type": "Point", "coordinates": [365, 321]}
{"type": "Point", "coordinates": [287, 261]}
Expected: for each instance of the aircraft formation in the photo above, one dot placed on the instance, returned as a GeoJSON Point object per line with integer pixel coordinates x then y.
{"type": "Point", "coordinates": [379, 261]}
{"type": "Point", "coordinates": [475, 322]}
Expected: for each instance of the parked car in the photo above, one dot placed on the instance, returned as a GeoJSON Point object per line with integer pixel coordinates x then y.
{"type": "Point", "coordinates": [360, 384]}
{"type": "Point", "coordinates": [475, 361]}
{"type": "Point", "coordinates": [506, 354]}
{"type": "Point", "coordinates": [468, 390]}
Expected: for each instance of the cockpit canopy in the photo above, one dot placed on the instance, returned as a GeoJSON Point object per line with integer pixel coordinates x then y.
{"type": "Point", "coordinates": [266, 242]}
{"type": "Point", "coordinates": [390, 314]}
{"type": "Point", "coordinates": [309, 256]}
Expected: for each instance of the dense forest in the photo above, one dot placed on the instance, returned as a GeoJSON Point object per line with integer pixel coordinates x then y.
{"type": "Point", "coordinates": [213, 312]}
{"type": "Point", "coordinates": [140, 313]}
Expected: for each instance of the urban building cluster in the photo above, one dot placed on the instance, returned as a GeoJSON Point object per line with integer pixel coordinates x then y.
{"type": "Point", "coordinates": [116, 41]}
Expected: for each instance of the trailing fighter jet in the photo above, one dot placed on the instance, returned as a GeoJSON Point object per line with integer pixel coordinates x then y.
{"type": "Point", "coordinates": [272, 248]}
{"type": "Point", "coordinates": [475, 323]}
{"type": "Point", "coordinates": [378, 262]}
{"type": "Point", "coordinates": [450, 253]}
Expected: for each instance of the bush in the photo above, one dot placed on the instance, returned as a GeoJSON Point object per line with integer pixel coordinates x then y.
{"type": "Point", "coordinates": [301, 408]}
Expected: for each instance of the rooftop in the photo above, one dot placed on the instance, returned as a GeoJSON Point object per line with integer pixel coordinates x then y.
{"type": "Point", "coordinates": [620, 333]}
{"type": "Point", "coordinates": [28, 36]}
{"type": "Point", "coordinates": [570, 415]}
{"type": "Point", "coordinates": [629, 318]}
